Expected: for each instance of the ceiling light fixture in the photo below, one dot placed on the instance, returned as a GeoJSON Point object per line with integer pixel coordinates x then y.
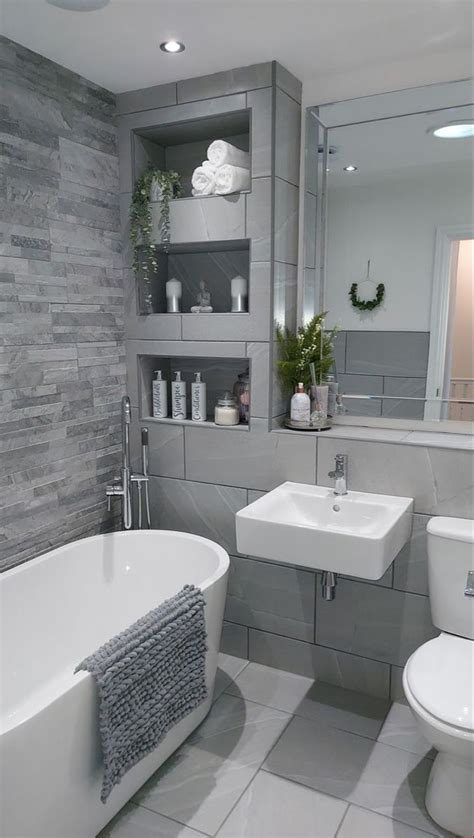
{"type": "Point", "coordinates": [172, 46]}
{"type": "Point", "coordinates": [79, 5]}
{"type": "Point", "coordinates": [350, 168]}
{"type": "Point", "coordinates": [455, 130]}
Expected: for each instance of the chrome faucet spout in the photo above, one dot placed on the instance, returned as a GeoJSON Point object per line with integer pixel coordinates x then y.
{"type": "Point", "coordinates": [340, 474]}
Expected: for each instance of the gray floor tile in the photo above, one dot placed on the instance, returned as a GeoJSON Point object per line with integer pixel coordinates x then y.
{"type": "Point", "coordinates": [228, 667]}
{"type": "Point", "coordinates": [275, 808]}
{"type": "Point", "coordinates": [401, 731]}
{"type": "Point", "coordinates": [311, 699]}
{"type": "Point", "coordinates": [386, 780]}
{"type": "Point", "coordinates": [135, 822]}
{"type": "Point", "coordinates": [359, 823]}
{"type": "Point", "coordinates": [202, 781]}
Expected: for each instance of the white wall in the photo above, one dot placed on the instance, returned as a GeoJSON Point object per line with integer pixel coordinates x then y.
{"type": "Point", "coordinates": [393, 223]}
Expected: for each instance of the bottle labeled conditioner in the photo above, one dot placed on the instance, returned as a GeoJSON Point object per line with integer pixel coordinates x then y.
{"type": "Point", "coordinates": [198, 399]}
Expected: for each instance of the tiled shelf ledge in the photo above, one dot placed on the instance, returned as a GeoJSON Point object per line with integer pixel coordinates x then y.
{"type": "Point", "coordinates": [426, 439]}
{"type": "Point", "coordinates": [189, 422]}
{"type": "Point", "coordinates": [203, 219]}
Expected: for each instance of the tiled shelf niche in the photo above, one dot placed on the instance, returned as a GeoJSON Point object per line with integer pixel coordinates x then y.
{"type": "Point", "coordinates": [219, 374]}
{"type": "Point", "coordinates": [214, 262]}
{"type": "Point", "coordinates": [182, 146]}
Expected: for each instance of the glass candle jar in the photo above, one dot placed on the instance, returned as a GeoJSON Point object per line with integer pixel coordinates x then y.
{"type": "Point", "coordinates": [226, 411]}
{"type": "Point", "coordinates": [242, 396]}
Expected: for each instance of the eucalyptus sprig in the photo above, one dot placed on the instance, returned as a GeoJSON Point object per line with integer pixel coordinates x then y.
{"type": "Point", "coordinates": [367, 305]}
{"type": "Point", "coordinates": [141, 225]}
{"type": "Point", "coordinates": [298, 351]}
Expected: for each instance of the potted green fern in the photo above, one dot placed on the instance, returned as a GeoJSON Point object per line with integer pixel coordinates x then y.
{"type": "Point", "coordinates": [298, 350]}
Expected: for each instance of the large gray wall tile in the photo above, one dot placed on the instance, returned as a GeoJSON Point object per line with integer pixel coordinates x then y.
{"type": "Point", "coordinates": [255, 460]}
{"type": "Point", "coordinates": [212, 218]}
{"type": "Point", "coordinates": [261, 104]}
{"type": "Point", "coordinates": [388, 353]}
{"type": "Point", "coordinates": [375, 622]}
{"type": "Point", "coordinates": [197, 508]}
{"type": "Point", "coordinates": [440, 480]}
{"type": "Point", "coordinates": [286, 222]}
{"type": "Point", "coordinates": [166, 447]}
{"type": "Point", "coordinates": [225, 83]}
{"type": "Point", "coordinates": [287, 138]}
{"type": "Point", "coordinates": [410, 568]}
{"type": "Point", "coordinates": [288, 82]}
{"type": "Point", "coordinates": [335, 667]}
{"type": "Point", "coordinates": [235, 640]}
{"type": "Point", "coordinates": [147, 98]}
{"type": "Point", "coordinates": [272, 598]}
{"type": "Point", "coordinates": [404, 387]}
{"type": "Point", "coordinates": [259, 203]}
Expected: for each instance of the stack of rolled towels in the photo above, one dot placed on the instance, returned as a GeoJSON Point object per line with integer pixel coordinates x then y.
{"type": "Point", "coordinates": [226, 170]}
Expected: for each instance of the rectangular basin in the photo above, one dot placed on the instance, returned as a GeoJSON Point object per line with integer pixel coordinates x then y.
{"type": "Point", "coordinates": [358, 534]}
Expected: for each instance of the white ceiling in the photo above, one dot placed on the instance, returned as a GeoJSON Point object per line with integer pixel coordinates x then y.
{"type": "Point", "coordinates": [118, 46]}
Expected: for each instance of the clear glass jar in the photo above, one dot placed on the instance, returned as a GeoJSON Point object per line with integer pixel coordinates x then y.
{"type": "Point", "coordinates": [226, 411]}
{"type": "Point", "coordinates": [242, 396]}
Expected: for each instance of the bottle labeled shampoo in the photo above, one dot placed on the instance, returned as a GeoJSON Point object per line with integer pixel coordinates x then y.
{"type": "Point", "coordinates": [160, 396]}
{"type": "Point", "coordinates": [300, 410]}
{"type": "Point", "coordinates": [178, 398]}
{"type": "Point", "coordinates": [198, 399]}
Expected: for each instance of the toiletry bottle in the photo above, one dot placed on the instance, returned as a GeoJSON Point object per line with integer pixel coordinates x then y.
{"type": "Point", "coordinates": [160, 396]}
{"type": "Point", "coordinates": [198, 399]}
{"type": "Point", "coordinates": [333, 389]}
{"type": "Point", "coordinates": [178, 398]}
{"type": "Point", "coordinates": [300, 409]}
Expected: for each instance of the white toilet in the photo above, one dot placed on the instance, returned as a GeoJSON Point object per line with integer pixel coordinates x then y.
{"type": "Point", "coordinates": [438, 678]}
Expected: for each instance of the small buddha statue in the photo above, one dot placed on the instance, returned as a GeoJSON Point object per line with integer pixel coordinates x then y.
{"type": "Point", "coordinates": [203, 300]}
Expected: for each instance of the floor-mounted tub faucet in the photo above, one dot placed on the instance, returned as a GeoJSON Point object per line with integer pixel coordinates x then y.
{"type": "Point", "coordinates": [340, 474]}
{"type": "Point", "coordinates": [122, 486]}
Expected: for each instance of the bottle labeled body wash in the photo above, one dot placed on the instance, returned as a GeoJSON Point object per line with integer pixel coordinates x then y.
{"type": "Point", "coordinates": [300, 410]}
{"type": "Point", "coordinates": [178, 398]}
{"type": "Point", "coordinates": [160, 396]}
{"type": "Point", "coordinates": [198, 399]}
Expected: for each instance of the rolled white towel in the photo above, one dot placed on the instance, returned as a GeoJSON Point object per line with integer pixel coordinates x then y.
{"type": "Point", "coordinates": [204, 179]}
{"type": "Point", "coordinates": [231, 179]}
{"type": "Point", "coordinates": [221, 153]}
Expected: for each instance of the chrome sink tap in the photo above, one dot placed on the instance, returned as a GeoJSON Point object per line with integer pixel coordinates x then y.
{"type": "Point", "coordinates": [340, 474]}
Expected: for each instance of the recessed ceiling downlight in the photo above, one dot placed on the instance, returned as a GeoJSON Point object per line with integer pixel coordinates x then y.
{"type": "Point", "coordinates": [79, 5]}
{"type": "Point", "coordinates": [350, 168]}
{"type": "Point", "coordinates": [455, 130]}
{"type": "Point", "coordinates": [172, 46]}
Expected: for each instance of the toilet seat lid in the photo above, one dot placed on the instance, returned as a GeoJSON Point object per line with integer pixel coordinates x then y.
{"type": "Point", "coordinates": [440, 675]}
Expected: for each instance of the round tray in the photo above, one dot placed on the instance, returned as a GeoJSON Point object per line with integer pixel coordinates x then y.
{"type": "Point", "coordinates": [315, 428]}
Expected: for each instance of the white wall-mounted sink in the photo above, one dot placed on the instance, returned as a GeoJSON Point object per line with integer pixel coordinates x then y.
{"type": "Point", "coordinates": [358, 534]}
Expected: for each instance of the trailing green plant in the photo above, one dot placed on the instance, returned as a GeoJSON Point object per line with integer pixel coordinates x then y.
{"type": "Point", "coordinates": [141, 226]}
{"type": "Point", "coordinates": [298, 351]}
{"type": "Point", "coordinates": [367, 305]}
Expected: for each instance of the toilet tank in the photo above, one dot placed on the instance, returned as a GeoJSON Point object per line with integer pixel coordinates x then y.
{"type": "Point", "coordinates": [450, 558]}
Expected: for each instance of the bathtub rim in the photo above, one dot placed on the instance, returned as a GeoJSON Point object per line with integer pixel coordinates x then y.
{"type": "Point", "coordinates": [222, 554]}
{"type": "Point", "coordinates": [65, 682]}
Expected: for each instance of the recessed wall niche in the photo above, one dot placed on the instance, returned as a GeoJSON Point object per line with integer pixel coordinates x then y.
{"type": "Point", "coordinates": [182, 146]}
{"type": "Point", "coordinates": [215, 263]}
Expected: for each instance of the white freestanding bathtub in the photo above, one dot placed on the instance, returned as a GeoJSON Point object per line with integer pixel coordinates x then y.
{"type": "Point", "coordinates": [57, 609]}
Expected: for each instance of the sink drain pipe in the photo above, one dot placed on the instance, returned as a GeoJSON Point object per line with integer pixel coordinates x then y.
{"type": "Point", "coordinates": [328, 585]}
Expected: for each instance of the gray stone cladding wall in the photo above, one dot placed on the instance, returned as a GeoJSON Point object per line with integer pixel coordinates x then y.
{"type": "Point", "coordinates": [61, 335]}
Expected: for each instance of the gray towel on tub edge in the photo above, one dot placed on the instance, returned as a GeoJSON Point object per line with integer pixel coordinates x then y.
{"type": "Point", "coordinates": [148, 677]}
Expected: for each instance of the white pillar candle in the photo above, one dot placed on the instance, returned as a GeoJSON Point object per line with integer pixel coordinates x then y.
{"type": "Point", "coordinates": [239, 291]}
{"type": "Point", "coordinates": [174, 292]}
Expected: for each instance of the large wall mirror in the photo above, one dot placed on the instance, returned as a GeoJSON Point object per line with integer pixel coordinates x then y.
{"type": "Point", "coordinates": [389, 249]}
